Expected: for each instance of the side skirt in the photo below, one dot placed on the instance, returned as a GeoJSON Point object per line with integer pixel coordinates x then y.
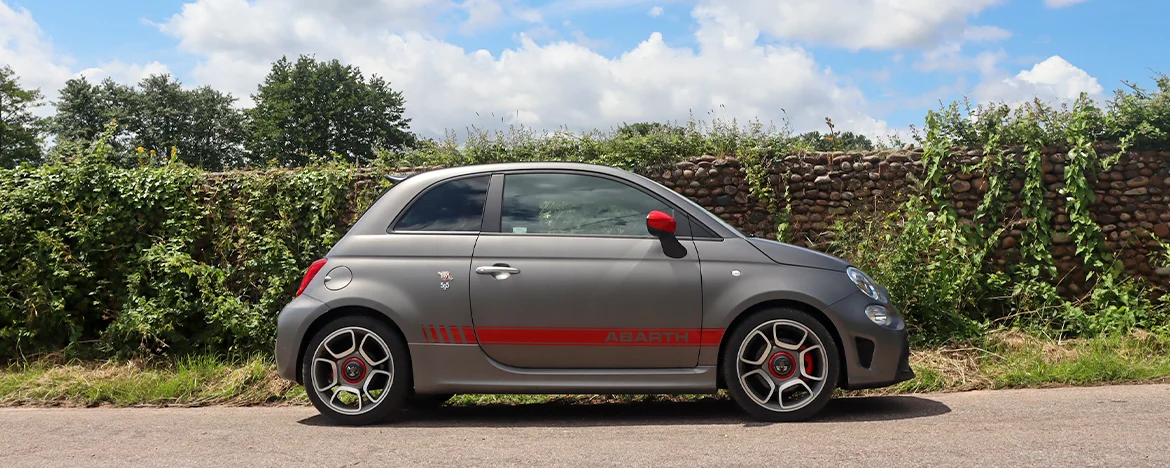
{"type": "Point", "coordinates": [446, 368]}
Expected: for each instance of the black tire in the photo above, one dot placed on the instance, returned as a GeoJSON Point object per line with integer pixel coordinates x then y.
{"type": "Point", "coordinates": [730, 359]}
{"type": "Point", "coordinates": [392, 400]}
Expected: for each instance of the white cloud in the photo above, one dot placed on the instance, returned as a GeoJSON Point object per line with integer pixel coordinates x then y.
{"type": "Point", "coordinates": [545, 86]}
{"type": "Point", "coordinates": [24, 48]}
{"type": "Point", "coordinates": [656, 11]}
{"type": "Point", "coordinates": [858, 24]}
{"type": "Point", "coordinates": [480, 13]}
{"type": "Point", "coordinates": [1061, 3]}
{"type": "Point", "coordinates": [985, 34]}
{"type": "Point", "coordinates": [1052, 79]}
{"type": "Point", "coordinates": [124, 73]}
{"type": "Point", "coordinates": [951, 59]}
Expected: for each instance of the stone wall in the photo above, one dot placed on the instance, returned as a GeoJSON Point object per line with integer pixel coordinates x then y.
{"type": "Point", "coordinates": [1132, 198]}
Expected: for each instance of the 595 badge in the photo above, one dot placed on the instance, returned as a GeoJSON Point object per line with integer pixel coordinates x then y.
{"type": "Point", "coordinates": [445, 280]}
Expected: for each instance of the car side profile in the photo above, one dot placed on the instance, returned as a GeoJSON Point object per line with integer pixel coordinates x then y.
{"type": "Point", "coordinates": [576, 278]}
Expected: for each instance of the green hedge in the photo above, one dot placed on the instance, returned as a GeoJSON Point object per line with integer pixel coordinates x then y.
{"type": "Point", "coordinates": [105, 261]}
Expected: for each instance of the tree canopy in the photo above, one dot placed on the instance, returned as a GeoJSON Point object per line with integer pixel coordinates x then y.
{"type": "Point", "coordinates": [20, 129]}
{"type": "Point", "coordinates": [318, 108]}
{"type": "Point", "coordinates": [200, 127]}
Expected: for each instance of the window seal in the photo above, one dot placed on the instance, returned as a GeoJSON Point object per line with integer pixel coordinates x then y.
{"type": "Point", "coordinates": [684, 219]}
{"type": "Point", "coordinates": [392, 227]}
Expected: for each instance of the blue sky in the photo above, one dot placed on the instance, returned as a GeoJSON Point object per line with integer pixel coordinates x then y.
{"type": "Point", "coordinates": [874, 66]}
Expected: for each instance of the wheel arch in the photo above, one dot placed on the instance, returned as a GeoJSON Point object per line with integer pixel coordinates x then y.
{"type": "Point", "coordinates": [340, 312]}
{"type": "Point", "coordinates": [805, 307]}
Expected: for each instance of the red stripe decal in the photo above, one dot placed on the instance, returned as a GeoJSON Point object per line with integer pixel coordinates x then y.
{"type": "Point", "coordinates": [592, 336]}
{"type": "Point", "coordinates": [469, 334]}
{"type": "Point", "coordinates": [711, 337]}
{"type": "Point", "coordinates": [540, 336]}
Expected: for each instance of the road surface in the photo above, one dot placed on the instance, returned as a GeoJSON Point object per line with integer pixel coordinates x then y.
{"type": "Point", "coordinates": [1102, 426]}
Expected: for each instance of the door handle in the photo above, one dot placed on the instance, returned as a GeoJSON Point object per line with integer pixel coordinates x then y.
{"type": "Point", "coordinates": [495, 269]}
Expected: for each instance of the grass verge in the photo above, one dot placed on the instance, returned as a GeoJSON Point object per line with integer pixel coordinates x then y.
{"type": "Point", "coordinates": [1003, 359]}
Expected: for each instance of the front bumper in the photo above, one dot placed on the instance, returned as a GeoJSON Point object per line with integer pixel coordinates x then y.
{"type": "Point", "coordinates": [291, 326]}
{"type": "Point", "coordinates": [875, 356]}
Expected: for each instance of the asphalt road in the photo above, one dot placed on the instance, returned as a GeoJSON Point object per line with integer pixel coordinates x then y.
{"type": "Point", "coordinates": [1102, 426]}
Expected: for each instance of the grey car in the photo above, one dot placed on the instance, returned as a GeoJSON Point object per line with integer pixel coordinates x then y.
{"type": "Point", "coordinates": [547, 278]}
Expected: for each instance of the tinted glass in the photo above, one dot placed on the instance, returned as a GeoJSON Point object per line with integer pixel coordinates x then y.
{"type": "Point", "coordinates": [451, 206]}
{"type": "Point", "coordinates": [575, 204]}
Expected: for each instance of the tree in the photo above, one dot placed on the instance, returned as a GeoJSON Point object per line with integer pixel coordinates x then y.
{"type": "Point", "coordinates": [320, 108]}
{"type": "Point", "coordinates": [84, 109]}
{"type": "Point", "coordinates": [839, 141]}
{"type": "Point", "coordinates": [157, 115]}
{"type": "Point", "coordinates": [20, 130]}
{"type": "Point", "coordinates": [647, 128]}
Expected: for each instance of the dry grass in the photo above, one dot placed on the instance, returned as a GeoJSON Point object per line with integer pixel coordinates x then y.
{"type": "Point", "coordinates": [186, 382]}
{"type": "Point", "coordinates": [1003, 359]}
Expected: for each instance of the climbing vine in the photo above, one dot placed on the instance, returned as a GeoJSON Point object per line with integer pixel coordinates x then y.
{"type": "Point", "coordinates": [1022, 146]}
{"type": "Point", "coordinates": [164, 258]}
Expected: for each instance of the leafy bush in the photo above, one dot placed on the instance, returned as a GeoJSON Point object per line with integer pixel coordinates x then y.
{"type": "Point", "coordinates": [108, 260]}
{"type": "Point", "coordinates": [934, 280]}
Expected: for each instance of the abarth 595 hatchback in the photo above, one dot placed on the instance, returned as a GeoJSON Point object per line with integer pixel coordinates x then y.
{"type": "Point", "coordinates": [557, 278]}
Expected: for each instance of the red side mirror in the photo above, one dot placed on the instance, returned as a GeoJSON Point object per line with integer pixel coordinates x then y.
{"type": "Point", "coordinates": [659, 222]}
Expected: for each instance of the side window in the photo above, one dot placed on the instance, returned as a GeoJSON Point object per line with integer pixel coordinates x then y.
{"type": "Point", "coordinates": [575, 204]}
{"type": "Point", "coordinates": [455, 205]}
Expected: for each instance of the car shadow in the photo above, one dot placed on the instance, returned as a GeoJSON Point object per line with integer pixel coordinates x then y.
{"type": "Point", "coordinates": [704, 411]}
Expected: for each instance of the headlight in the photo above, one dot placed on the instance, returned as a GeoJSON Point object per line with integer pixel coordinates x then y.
{"type": "Point", "coordinates": [866, 284]}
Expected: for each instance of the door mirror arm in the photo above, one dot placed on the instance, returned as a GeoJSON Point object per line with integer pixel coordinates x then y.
{"type": "Point", "coordinates": [662, 226]}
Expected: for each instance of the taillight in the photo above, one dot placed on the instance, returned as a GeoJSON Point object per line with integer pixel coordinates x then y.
{"type": "Point", "coordinates": [313, 269]}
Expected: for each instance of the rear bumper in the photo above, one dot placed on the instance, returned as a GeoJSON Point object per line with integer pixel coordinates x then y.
{"type": "Point", "coordinates": [291, 325]}
{"type": "Point", "coordinates": [875, 356]}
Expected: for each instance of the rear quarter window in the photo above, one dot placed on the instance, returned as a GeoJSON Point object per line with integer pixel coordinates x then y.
{"type": "Point", "coordinates": [455, 205]}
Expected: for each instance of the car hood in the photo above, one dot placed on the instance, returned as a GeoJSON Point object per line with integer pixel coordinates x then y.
{"type": "Point", "coordinates": [788, 254]}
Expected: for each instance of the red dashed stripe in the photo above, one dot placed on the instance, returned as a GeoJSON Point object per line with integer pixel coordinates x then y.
{"type": "Point", "coordinates": [542, 336]}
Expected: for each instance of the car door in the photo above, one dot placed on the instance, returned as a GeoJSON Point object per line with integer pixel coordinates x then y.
{"type": "Point", "coordinates": [568, 276]}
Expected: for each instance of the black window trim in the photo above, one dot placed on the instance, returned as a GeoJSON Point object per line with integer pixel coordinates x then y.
{"type": "Point", "coordinates": [392, 227]}
{"type": "Point", "coordinates": [493, 209]}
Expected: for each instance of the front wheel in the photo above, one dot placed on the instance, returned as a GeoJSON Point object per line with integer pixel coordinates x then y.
{"type": "Point", "coordinates": [781, 365]}
{"type": "Point", "coordinates": [356, 371]}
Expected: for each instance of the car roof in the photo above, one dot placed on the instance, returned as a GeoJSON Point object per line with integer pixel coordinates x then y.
{"type": "Point", "coordinates": [409, 187]}
{"type": "Point", "coordinates": [513, 166]}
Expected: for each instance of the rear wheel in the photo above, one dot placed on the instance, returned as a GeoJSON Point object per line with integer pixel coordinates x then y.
{"type": "Point", "coordinates": [356, 371]}
{"type": "Point", "coordinates": [781, 365]}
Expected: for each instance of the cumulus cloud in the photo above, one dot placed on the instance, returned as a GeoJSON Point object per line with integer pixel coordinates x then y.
{"type": "Point", "coordinates": [656, 11]}
{"type": "Point", "coordinates": [24, 47]}
{"type": "Point", "coordinates": [541, 85]}
{"type": "Point", "coordinates": [1061, 3]}
{"type": "Point", "coordinates": [858, 24]}
{"type": "Point", "coordinates": [1054, 79]}
{"type": "Point", "coordinates": [123, 72]}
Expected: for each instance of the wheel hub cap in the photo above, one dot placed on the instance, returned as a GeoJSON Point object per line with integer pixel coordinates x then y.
{"type": "Point", "coordinates": [353, 370]}
{"type": "Point", "coordinates": [782, 365]}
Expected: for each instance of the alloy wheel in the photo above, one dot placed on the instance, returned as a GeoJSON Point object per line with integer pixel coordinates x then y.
{"type": "Point", "coordinates": [352, 370]}
{"type": "Point", "coordinates": [782, 365]}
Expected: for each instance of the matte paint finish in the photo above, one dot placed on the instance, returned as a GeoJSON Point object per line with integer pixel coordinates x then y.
{"type": "Point", "coordinates": [586, 314]}
{"type": "Point", "coordinates": [601, 283]}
